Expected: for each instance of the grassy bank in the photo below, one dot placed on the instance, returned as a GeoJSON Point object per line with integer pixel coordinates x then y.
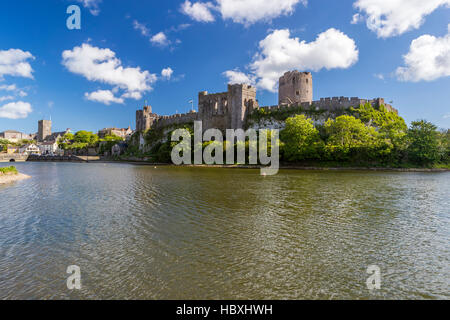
{"type": "Point", "coordinates": [10, 174]}
{"type": "Point", "coordinates": [9, 170]}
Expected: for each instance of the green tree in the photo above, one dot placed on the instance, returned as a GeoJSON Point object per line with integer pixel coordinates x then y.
{"type": "Point", "coordinates": [300, 139]}
{"type": "Point", "coordinates": [392, 131]}
{"type": "Point", "coordinates": [350, 139]}
{"type": "Point", "coordinates": [4, 144]}
{"type": "Point", "coordinates": [85, 137]}
{"type": "Point", "coordinates": [423, 140]}
{"type": "Point", "coordinates": [445, 146]}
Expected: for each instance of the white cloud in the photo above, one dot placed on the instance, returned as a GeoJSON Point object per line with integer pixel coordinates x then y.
{"type": "Point", "coordinates": [102, 65]}
{"type": "Point", "coordinates": [160, 39]}
{"type": "Point", "coordinates": [104, 96]}
{"type": "Point", "coordinates": [447, 116]}
{"type": "Point", "coordinates": [14, 62]}
{"type": "Point", "coordinates": [141, 28]}
{"type": "Point", "coordinates": [6, 98]}
{"type": "Point", "coordinates": [357, 18]}
{"type": "Point", "coordinates": [246, 12]}
{"type": "Point", "coordinates": [280, 53]}
{"type": "Point", "coordinates": [11, 87]}
{"type": "Point", "coordinates": [250, 11]}
{"type": "Point", "coordinates": [236, 76]}
{"type": "Point", "coordinates": [92, 5]}
{"type": "Point", "coordinates": [390, 18]}
{"type": "Point", "coordinates": [15, 110]}
{"type": "Point", "coordinates": [198, 11]}
{"type": "Point", "coordinates": [428, 59]}
{"type": "Point", "coordinates": [379, 76]}
{"type": "Point", "coordinates": [167, 73]}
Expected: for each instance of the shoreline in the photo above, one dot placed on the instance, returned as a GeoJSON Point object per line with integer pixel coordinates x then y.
{"type": "Point", "coordinates": [282, 167]}
{"type": "Point", "coordinates": [10, 178]}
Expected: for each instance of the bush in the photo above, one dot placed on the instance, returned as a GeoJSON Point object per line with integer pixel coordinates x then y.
{"type": "Point", "coordinates": [11, 169]}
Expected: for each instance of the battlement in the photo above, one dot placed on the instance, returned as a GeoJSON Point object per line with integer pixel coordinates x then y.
{"type": "Point", "coordinates": [334, 103]}
{"type": "Point", "coordinates": [179, 118]}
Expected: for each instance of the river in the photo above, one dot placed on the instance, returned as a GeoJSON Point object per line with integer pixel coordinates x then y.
{"type": "Point", "coordinates": [144, 232]}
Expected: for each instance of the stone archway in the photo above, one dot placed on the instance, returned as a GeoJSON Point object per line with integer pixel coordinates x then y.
{"type": "Point", "coordinates": [12, 160]}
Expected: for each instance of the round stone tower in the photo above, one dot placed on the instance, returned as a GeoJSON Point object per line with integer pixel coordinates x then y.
{"type": "Point", "coordinates": [295, 87]}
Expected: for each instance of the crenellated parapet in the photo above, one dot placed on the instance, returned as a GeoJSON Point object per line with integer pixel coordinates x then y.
{"type": "Point", "coordinates": [164, 121]}
{"type": "Point", "coordinates": [334, 103]}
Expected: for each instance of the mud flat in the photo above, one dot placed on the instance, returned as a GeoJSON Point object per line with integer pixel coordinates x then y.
{"type": "Point", "coordinates": [11, 177]}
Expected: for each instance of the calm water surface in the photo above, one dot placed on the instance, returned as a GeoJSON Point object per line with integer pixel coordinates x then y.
{"type": "Point", "coordinates": [139, 232]}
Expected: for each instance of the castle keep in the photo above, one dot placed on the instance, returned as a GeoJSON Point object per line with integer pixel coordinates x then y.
{"type": "Point", "coordinates": [228, 110]}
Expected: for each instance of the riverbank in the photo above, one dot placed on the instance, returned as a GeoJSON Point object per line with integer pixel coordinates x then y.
{"type": "Point", "coordinates": [282, 166]}
{"type": "Point", "coordinates": [290, 166]}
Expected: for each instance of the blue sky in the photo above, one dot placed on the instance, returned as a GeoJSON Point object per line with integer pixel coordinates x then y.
{"type": "Point", "coordinates": [350, 48]}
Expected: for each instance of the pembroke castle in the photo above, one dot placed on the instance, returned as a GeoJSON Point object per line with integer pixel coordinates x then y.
{"type": "Point", "coordinates": [228, 110]}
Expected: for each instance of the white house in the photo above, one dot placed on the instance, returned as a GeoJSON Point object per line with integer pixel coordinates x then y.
{"type": "Point", "coordinates": [50, 147]}
{"type": "Point", "coordinates": [30, 149]}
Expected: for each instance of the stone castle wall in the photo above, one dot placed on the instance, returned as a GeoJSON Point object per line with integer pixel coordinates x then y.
{"type": "Point", "coordinates": [335, 103]}
{"type": "Point", "coordinates": [229, 110]}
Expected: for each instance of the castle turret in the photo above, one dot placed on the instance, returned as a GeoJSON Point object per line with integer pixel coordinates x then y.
{"type": "Point", "coordinates": [295, 87]}
{"type": "Point", "coordinates": [145, 118]}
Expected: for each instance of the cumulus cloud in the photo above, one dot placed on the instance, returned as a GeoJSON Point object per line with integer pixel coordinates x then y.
{"type": "Point", "coordinates": [279, 52]}
{"type": "Point", "coordinates": [102, 65]}
{"type": "Point", "coordinates": [160, 39]}
{"type": "Point", "coordinates": [15, 110]}
{"type": "Point", "coordinates": [250, 11]}
{"type": "Point", "coordinates": [236, 76]}
{"type": "Point", "coordinates": [428, 59]}
{"type": "Point", "coordinates": [167, 73]}
{"type": "Point", "coordinates": [92, 5]}
{"type": "Point", "coordinates": [104, 96]}
{"type": "Point", "coordinates": [390, 18]}
{"type": "Point", "coordinates": [199, 11]}
{"type": "Point", "coordinates": [15, 62]}
{"type": "Point", "coordinates": [246, 12]}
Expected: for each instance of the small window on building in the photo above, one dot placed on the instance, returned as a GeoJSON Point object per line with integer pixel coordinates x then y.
{"type": "Point", "coordinates": [297, 93]}
{"type": "Point", "coordinates": [307, 81]}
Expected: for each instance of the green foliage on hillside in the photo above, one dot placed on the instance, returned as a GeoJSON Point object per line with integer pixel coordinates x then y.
{"type": "Point", "coordinates": [284, 113]}
{"type": "Point", "coordinates": [369, 136]}
{"type": "Point", "coordinates": [362, 136]}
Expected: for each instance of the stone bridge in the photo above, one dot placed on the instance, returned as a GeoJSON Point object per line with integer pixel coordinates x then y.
{"type": "Point", "coordinates": [15, 157]}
